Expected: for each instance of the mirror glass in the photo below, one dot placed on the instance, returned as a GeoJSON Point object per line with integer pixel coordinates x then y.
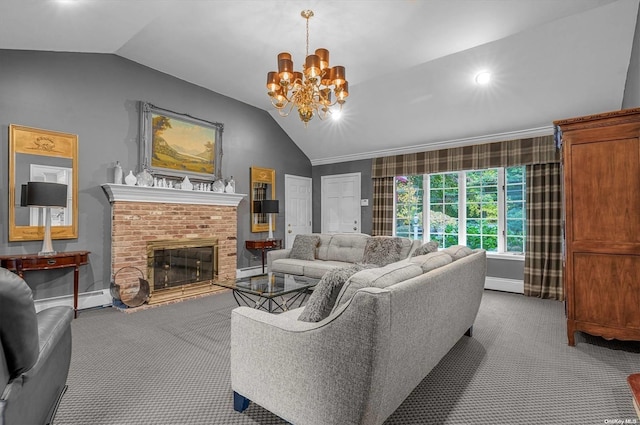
{"type": "Point", "coordinates": [42, 155]}
{"type": "Point", "coordinates": [263, 186]}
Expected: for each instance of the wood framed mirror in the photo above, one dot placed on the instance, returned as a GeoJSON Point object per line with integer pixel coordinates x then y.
{"type": "Point", "coordinates": [46, 156]}
{"type": "Point", "coordinates": [263, 187]}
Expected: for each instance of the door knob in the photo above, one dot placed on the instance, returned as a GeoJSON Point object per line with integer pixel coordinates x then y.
{"type": "Point", "coordinates": [355, 228]}
{"type": "Point", "coordinates": [289, 230]}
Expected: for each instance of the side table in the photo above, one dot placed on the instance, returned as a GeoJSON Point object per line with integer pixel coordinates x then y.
{"type": "Point", "coordinates": [264, 245]}
{"type": "Point", "coordinates": [20, 263]}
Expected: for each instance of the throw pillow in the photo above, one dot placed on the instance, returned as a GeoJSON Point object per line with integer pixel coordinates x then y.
{"type": "Point", "coordinates": [426, 248]}
{"type": "Point", "coordinates": [431, 261]}
{"type": "Point", "coordinates": [326, 292]}
{"type": "Point", "coordinates": [382, 250]}
{"type": "Point", "coordinates": [304, 247]}
{"type": "Point", "coordinates": [458, 251]}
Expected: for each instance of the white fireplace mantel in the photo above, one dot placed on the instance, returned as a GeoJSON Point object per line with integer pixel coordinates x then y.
{"type": "Point", "coordinates": [123, 192]}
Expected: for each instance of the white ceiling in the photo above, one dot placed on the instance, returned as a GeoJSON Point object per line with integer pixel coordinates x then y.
{"type": "Point", "coordinates": [410, 63]}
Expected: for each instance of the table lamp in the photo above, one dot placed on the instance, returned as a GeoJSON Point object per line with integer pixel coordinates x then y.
{"type": "Point", "coordinates": [269, 206]}
{"type": "Point", "coordinates": [45, 195]}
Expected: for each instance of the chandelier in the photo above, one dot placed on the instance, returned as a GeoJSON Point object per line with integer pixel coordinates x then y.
{"type": "Point", "coordinates": [311, 90]}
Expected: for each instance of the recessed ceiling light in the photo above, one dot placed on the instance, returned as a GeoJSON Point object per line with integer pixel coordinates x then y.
{"type": "Point", "coordinates": [483, 77]}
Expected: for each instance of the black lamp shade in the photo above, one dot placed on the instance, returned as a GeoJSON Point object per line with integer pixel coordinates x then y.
{"type": "Point", "coordinates": [257, 207]}
{"type": "Point", "coordinates": [269, 206]}
{"type": "Point", "coordinates": [44, 194]}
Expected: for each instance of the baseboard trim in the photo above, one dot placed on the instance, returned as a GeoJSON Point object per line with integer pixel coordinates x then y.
{"type": "Point", "coordinates": [85, 300]}
{"type": "Point", "coordinates": [506, 285]}
{"type": "Point", "coordinates": [249, 271]}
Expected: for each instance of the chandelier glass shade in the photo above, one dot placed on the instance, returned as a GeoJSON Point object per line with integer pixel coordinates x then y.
{"type": "Point", "coordinates": [314, 91]}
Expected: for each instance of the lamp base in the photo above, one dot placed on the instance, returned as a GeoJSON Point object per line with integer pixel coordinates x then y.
{"type": "Point", "coordinates": [270, 237]}
{"type": "Point", "coordinates": [47, 245]}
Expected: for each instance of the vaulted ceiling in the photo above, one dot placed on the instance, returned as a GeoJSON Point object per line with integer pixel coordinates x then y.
{"type": "Point", "coordinates": [410, 63]}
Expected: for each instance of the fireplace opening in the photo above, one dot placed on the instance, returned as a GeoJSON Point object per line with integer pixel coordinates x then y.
{"type": "Point", "coordinates": [179, 267]}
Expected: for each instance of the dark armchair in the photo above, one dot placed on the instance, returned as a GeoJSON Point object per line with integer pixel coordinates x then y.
{"type": "Point", "coordinates": [35, 353]}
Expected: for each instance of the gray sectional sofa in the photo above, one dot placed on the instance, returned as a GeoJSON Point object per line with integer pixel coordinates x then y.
{"type": "Point", "coordinates": [332, 251]}
{"type": "Point", "coordinates": [389, 327]}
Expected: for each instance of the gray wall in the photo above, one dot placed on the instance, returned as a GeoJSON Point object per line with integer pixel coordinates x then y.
{"type": "Point", "coordinates": [632, 88]}
{"type": "Point", "coordinates": [96, 96]}
{"type": "Point", "coordinates": [366, 191]}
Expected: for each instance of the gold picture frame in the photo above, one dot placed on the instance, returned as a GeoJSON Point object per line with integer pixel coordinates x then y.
{"type": "Point", "coordinates": [179, 145]}
{"type": "Point", "coordinates": [42, 155]}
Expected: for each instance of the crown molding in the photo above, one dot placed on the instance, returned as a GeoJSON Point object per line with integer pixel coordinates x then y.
{"type": "Point", "coordinates": [454, 143]}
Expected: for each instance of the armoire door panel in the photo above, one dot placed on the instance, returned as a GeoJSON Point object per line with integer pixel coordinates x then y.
{"type": "Point", "coordinates": [606, 191]}
{"type": "Point", "coordinates": [606, 289]}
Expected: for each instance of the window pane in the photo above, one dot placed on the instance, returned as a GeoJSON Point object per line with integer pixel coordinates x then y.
{"type": "Point", "coordinates": [515, 174]}
{"type": "Point", "coordinates": [490, 243]}
{"type": "Point", "coordinates": [451, 210]}
{"type": "Point", "coordinates": [451, 196]}
{"type": "Point", "coordinates": [474, 210]}
{"type": "Point", "coordinates": [515, 180]}
{"type": "Point", "coordinates": [473, 227]}
{"type": "Point", "coordinates": [451, 180]}
{"type": "Point", "coordinates": [409, 201]}
{"type": "Point", "coordinates": [515, 244]}
{"type": "Point", "coordinates": [474, 242]}
{"type": "Point", "coordinates": [514, 192]}
{"type": "Point", "coordinates": [437, 195]}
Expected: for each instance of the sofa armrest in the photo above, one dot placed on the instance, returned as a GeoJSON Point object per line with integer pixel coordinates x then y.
{"type": "Point", "coordinates": [53, 323]}
{"type": "Point", "coordinates": [276, 360]}
{"type": "Point", "coordinates": [276, 254]}
{"type": "Point", "coordinates": [32, 396]}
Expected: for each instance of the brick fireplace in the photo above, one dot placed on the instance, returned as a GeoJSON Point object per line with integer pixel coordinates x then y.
{"type": "Point", "coordinates": [148, 216]}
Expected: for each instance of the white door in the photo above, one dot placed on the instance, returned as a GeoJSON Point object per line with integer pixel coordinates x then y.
{"type": "Point", "coordinates": [297, 208]}
{"type": "Point", "coordinates": [341, 203]}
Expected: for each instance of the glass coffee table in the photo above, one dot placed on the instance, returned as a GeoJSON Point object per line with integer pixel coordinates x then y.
{"type": "Point", "coordinates": [273, 292]}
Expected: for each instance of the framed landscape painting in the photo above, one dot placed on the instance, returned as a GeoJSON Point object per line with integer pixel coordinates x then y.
{"type": "Point", "coordinates": [179, 145]}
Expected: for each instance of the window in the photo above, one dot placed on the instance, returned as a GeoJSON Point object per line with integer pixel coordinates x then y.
{"type": "Point", "coordinates": [480, 208]}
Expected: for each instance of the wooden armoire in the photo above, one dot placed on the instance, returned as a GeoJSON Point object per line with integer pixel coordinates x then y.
{"type": "Point", "coordinates": [601, 178]}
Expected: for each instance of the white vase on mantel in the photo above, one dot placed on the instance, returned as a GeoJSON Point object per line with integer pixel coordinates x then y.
{"type": "Point", "coordinates": [186, 184]}
{"type": "Point", "coordinates": [130, 179]}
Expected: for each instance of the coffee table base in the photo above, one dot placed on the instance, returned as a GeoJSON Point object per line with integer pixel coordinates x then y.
{"type": "Point", "coordinates": [272, 305]}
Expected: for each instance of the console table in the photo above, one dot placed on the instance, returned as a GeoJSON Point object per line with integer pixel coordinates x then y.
{"type": "Point", "coordinates": [264, 245]}
{"type": "Point", "coordinates": [20, 263]}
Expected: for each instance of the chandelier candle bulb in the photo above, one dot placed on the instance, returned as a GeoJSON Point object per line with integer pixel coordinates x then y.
{"type": "Point", "coordinates": [338, 75]}
{"type": "Point", "coordinates": [323, 54]}
{"type": "Point", "coordinates": [312, 66]}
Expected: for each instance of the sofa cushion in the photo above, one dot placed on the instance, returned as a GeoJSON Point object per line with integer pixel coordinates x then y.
{"type": "Point", "coordinates": [322, 252]}
{"type": "Point", "coordinates": [304, 247]}
{"type": "Point", "coordinates": [379, 277]}
{"type": "Point", "coordinates": [318, 268]}
{"type": "Point", "coordinates": [348, 247]}
{"type": "Point", "coordinates": [383, 250]}
{"type": "Point", "coordinates": [288, 266]}
{"type": "Point", "coordinates": [426, 248]}
{"type": "Point", "coordinates": [431, 261]}
{"type": "Point", "coordinates": [458, 251]}
{"type": "Point", "coordinates": [326, 292]}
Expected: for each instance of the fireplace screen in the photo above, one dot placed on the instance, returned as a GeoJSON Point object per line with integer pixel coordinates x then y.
{"type": "Point", "coordinates": [177, 263]}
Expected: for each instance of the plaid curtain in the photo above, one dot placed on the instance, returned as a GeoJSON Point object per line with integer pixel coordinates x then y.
{"type": "Point", "coordinates": [535, 150]}
{"type": "Point", "coordinates": [382, 206]}
{"type": "Point", "coordinates": [543, 257]}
